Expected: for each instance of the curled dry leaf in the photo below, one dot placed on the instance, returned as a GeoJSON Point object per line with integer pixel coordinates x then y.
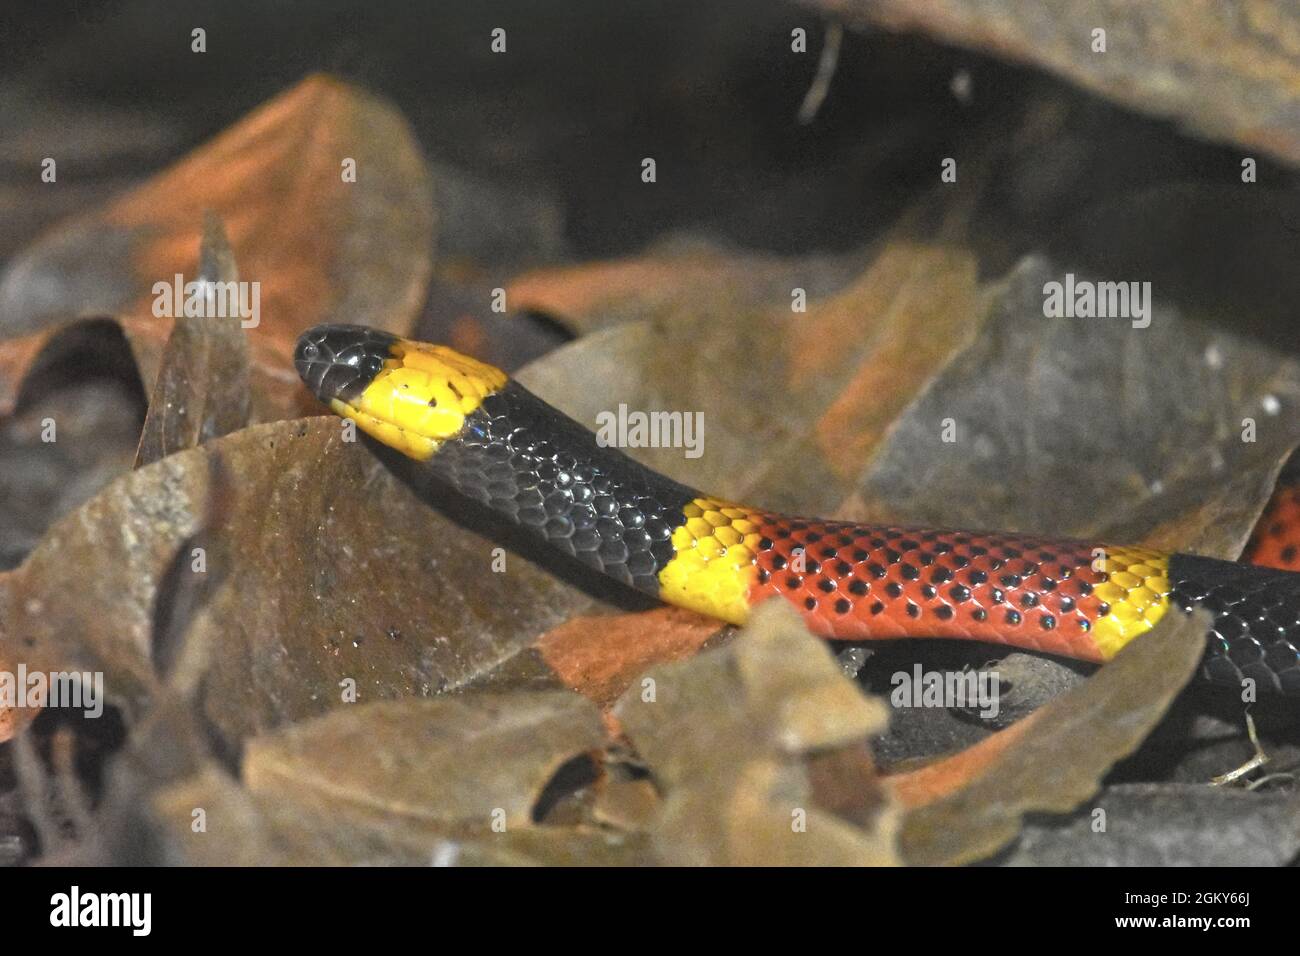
{"type": "Point", "coordinates": [250, 828]}
{"type": "Point", "coordinates": [318, 247]}
{"type": "Point", "coordinates": [340, 573]}
{"type": "Point", "coordinates": [17, 356]}
{"type": "Point", "coordinates": [843, 411]}
{"type": "Point", "coordinates": [74, 432]}
{"type": "Point", "coordinates": [600, 655]}
{"type": "Point", "coordinates": [202, 388]}
{"type": "Point", "coordinates": [725, 734]}
{"type": "Point", "coordinates": [1226, 70]}
{"type": "Point", "coordinates": [241, 828]}
{"type": "Point", "coordinates": [463, 762]}
{"type": "Point", "coordinates": [969, 806]}
{"type": "Point", "coordinates": [451, 781]}
{"type": "Point", "coordinates": [1039, 403]}
{"type": "Point", "coordinates": [909, 397]}
{"type": "Point", "coordinates": [778, 410]}
{"type": "Point", "coordinates": [685, 277]}
{"type": "Point", "coordinates": [873, 435]}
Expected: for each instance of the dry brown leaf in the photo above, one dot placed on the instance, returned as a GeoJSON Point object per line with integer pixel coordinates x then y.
{"type": "Point", "coordinates": [600, 655]}
{"type": "Point", "coordinates": [1052, 433]}
{"type": "Point", "coordinates": [321, 249]}
{"type": "Point", "coordinates": [16, 358]}
{"type": "Point", "coordinates": [353, 576]}
{"type": "Point", "coordinates": [626, 805]}
{"type": "Point", "coordinates": [1230, 71]}
{"type": "Point", "coordinates": [452, 781]}
{"type": "Point", "coordinates": [211, 820]}
{"type": "Point", "coordinates": [466, 762]}
{"type": "Point", "coordinates": [202, 389]}
{"type": "Point", "coordinates": [947, 775]}
{"type": "Point", "coordinates": [1054, 760]}
{"type": "Point", "coordinates": [725, 734]}
{"type": "Point", "coordinates": [777, 415]}
{"type": "Point", "coordinates": [242, 828]}
{"type": "Point", "coordinates": [674, 280]}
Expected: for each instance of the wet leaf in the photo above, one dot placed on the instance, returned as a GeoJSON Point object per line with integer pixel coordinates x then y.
{"type": "Point", "coordinates": [969, 806]}
{"type": "Point", "coordinates": [319, 248]}
{"type": "Point", "coordinates": [1227, 71]}
{"type": "Point", "coordinates": [725, 734]}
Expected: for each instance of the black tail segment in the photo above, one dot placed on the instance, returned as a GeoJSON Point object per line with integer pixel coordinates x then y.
{"type": "Point", "coordinates": [1256, 630]}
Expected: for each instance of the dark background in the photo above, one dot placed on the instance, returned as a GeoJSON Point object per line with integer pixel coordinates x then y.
{"type": "Point", "coordinates": [586, 89]}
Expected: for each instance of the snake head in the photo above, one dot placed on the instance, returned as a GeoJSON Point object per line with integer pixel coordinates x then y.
{"type": "Point", "coordinates": [337, 362]}
{"type": "Point", "coordinates": [408, 395]}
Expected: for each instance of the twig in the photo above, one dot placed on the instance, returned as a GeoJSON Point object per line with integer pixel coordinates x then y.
{"type": "Point", "coordinates": [1254, 763]}
{"type": "Point", "coordinates": [821, 84]}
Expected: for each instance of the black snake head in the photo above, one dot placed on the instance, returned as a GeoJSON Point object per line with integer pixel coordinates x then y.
{"type": "Point", "coordinates": [337, 362]}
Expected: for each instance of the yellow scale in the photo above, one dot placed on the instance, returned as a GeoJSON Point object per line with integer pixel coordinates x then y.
{"type": "Point", "coordinates": [1137, 590]}
{"type": "Point", "coordinates": [713, 568]}
{"type": "Point", "coordinates": [421, 397]}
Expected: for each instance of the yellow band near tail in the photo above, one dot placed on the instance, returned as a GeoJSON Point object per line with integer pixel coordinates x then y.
{"type": "Point", "coordinates": [712, 568]}
{"type": "Point", "coordinates": [421, 397]}
{"type": "Point", "coordinates": [1137, 590]}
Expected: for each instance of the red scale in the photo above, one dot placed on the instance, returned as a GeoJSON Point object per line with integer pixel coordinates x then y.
{"type": "Point", "coordinates": [937, 583]}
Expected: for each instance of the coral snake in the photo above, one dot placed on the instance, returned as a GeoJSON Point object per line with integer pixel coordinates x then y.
{"type": "Point", "coordinates": [494, 441]}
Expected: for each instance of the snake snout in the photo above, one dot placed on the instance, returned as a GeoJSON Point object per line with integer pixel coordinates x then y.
{"type": "Point", "coordinates": [339, 361]}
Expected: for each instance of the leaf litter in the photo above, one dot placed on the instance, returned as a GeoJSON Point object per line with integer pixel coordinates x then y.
{"type": "Point", "coordinates": [487, 691]}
